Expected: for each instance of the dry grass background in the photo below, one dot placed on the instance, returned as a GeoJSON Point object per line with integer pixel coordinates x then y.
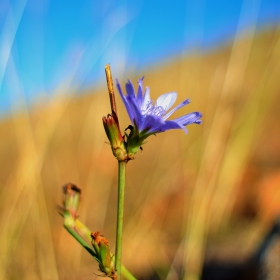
{"type": "Point", "coordinates": [211, 193]}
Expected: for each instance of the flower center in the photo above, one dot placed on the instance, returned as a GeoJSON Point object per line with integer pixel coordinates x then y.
{"type": "Point", "coordinates": [153, 109]}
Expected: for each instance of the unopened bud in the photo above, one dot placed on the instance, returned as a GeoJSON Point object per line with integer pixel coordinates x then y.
{"type": "Point", "coordinates": [115, 137]}
{"type": "Point", "coordinates": [105, 258]}
{"type": "Point", "coordinates": [71, 200]}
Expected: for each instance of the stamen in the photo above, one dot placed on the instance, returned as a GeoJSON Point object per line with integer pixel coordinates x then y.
{"type": "Point", "coordinates": [158, 111]}
{"type": "Point", "coordinates": [153, 109]}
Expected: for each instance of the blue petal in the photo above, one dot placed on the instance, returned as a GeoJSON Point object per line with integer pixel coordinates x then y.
{"type": "Point", "coordinates": [146, 99]}
{"type": "Point", "coordinates": [135, 111]}
{"type": "Point", "coordinates": [182, 104]}
{"type": "Point", "coordinates": [172, 125]}
{"type": "Point", "coordinates": [189, 119]}
{"type": "Point", "coordinates": [183, 121]}
{"type": "Point", "coordinates": [125, 101]}
{"type": "Point", "coordinates": [140, 92]}
{"type": "Point", "coordinates": [130, 89]}
{"type": "Point", "coordinates": [151, 123]}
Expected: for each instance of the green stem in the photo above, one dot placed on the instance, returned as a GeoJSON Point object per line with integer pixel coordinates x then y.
{"type": "Point", "coordinates": [76, 233]}
{"type": "Point", "coordinates": [121, 186]}
{"type": "Point", "coordinates": [126, 274]}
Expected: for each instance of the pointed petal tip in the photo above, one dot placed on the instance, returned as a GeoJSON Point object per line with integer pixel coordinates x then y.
{"type": "Point", "coordinates": [141, 80]}
{"type": "Point", "coordinates": [129, 89]}
{"type": "Point", "coordinates": [199, 116]}
{"type": "Point", "coordinates": [129, 82]}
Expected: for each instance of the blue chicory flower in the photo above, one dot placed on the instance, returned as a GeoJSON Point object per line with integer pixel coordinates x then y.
{"type": "Point", "coordinates": [151, 117]}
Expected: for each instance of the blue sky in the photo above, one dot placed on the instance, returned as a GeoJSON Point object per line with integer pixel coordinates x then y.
{"type": "Point", "coordinates": [44, 43]}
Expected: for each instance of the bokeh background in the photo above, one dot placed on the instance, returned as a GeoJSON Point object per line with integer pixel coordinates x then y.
{"type": "Point", "coordinates": [211, 195]}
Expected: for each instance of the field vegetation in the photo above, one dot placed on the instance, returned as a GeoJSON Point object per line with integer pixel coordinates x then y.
{"type": "Point", "coordinates": [211, 194]}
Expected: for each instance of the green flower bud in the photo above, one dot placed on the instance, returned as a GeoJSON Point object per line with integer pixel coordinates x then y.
{"type": "Point", "coordinates": [71, 200]}
{"type": "Point", "coordinates": [105, 258]}
{"type": "Point", "coordinates": [114, 135]}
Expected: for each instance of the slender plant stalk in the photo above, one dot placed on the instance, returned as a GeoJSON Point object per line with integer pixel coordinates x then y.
{"type": "Point", "coordinates": [121, 181]}
{"type": "Point", "coordinates": [121, 186]}
{"type": "Point", "coordinates": [126, 274]}
{"type": "Point", "coordinates": [81, 233]}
